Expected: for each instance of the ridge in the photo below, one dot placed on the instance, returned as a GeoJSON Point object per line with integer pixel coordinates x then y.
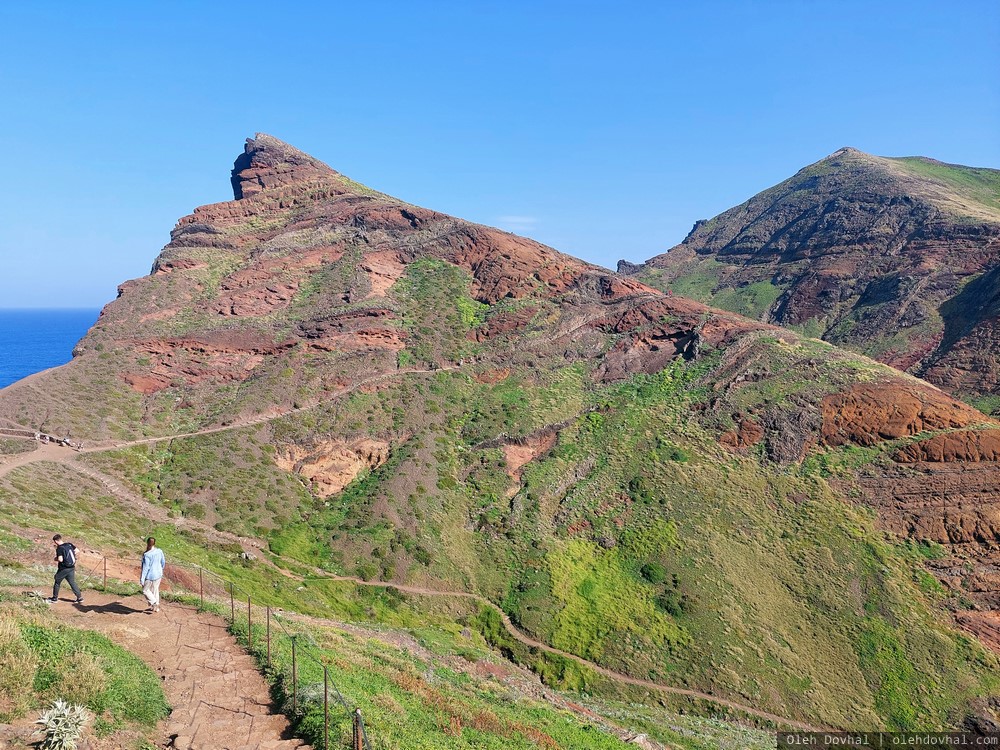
{"type": "Point", "coordinates": [268, 162]}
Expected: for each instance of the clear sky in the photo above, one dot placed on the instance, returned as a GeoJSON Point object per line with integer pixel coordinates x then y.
{"type": "Point", "coordinates": [603, 129]}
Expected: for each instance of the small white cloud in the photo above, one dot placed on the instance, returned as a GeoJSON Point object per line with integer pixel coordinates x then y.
{"type": "Point", "coordinates": [517, 223]}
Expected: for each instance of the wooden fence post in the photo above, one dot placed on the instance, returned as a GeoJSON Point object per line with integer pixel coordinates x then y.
{"type": "Point", "coordinates": [269, 636]}
{"type": "Point", "coordinates": [201, 586]}
{"type": "Point", "coordinates": [295, 678]}
{"type": "Point", "coordinates": [249, 631]}
{"type": "Point", "coordinates": [326, 710]}
{"type": "Point", "coordinates": [105, 574]}
{"type": "Point", "coordinates": [232, 605]}
{"type": "Point", "coordinates": [359, 734]}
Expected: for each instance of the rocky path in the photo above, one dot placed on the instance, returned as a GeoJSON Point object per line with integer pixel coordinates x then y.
{"type": "Point", "coordinates": [44, 452]}
{"type": "Point", "coordinates": [219, 699]}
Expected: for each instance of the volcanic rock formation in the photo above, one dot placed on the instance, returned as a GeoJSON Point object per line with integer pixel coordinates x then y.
{"type": "Point", "coordinates": [403, 394]}
{"type": "Point", "coordinates": [896, 258]}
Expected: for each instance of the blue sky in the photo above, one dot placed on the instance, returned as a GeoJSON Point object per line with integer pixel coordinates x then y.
{"type": "Point", "coordinates": [603, 129]}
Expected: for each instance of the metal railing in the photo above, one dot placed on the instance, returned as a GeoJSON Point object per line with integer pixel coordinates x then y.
{"type": "Point", "coordinates": [211, 586]}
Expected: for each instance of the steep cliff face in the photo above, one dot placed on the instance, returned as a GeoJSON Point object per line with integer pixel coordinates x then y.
{"type": "Point", "coordinates": [891, 257]}
{"type": "Point", "coordinates": [671, 490]}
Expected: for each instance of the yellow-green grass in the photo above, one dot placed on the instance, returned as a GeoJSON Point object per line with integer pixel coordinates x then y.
{"type": "Point", "coordinates": [971, 183]}
{"type": "Point", "coordinates": [775, 592]}
{"type": "Point", "coordinates": [441, 688]}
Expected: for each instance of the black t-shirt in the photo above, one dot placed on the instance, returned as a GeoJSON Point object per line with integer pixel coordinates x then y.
{"type": "Point", "coordinates": [68, 553]}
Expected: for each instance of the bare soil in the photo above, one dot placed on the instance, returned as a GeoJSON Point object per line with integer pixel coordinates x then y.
{"type": "Point", "coordinates": [219, 699]}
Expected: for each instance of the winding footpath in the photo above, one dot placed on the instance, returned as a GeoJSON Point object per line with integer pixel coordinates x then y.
{"type": "Point", "coordinates": [603, 671]}
{"type": "Point", "coordinates": [269, 416]}
{"type": "Point", "coordinates": [69, 457]}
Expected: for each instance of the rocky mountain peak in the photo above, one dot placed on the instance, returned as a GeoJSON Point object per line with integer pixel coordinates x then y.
{"type": "Point", "coordinates": [855, 164]}
{"type": "Point", "coordinates": [268, 162]}
{"type": "Point", "coordinates": [848, 151]}
{"type": "Point", "coordinates": [893, 256]}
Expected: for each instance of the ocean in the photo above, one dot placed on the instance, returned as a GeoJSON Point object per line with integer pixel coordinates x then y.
{"type": "Point", "coordinates": [35, 340]}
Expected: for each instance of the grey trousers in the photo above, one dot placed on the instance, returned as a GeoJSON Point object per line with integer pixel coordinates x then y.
{"type": "Point", "coordinates": [68, 575]}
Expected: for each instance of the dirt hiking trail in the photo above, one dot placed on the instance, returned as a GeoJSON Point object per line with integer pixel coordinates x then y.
{"type": "Point", "coordinates": [219, 699]}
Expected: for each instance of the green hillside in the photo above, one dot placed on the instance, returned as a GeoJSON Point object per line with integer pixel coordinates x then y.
{"type": "Point", "coordinates": [872, 253]}
{"type": "Point", "coordinates": [636, 542]}
{"type": "Point", "coordinates": [339, 383]}
{"type": "Point", "coordinates": [964, 184]}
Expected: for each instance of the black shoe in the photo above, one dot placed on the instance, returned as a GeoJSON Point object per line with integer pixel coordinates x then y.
{"type": "Point", "coordinates": [50, 600]}
{"type": "Point", "coordinates": [79, 600]}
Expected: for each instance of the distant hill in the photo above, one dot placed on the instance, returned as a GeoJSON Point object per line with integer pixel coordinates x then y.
{"type": "Point", "coordinates": [895, 258]}
{"type": "Point", "coordinates": [666, 489]}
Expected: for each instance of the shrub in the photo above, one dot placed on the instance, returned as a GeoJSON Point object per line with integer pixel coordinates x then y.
{"type": "Point", "coordinates": [640, 490]}
{"type": "Point", "coordinates": [673, 602]}
{"type": "Point", "coordinates": [653, 572]}
{"type": "Point", "coordinates": [675, 453]}
{"type": "Point", "coordinates": [62, 725]}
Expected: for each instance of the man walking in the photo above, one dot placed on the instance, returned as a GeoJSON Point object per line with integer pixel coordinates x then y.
{"type": "Point", "coordinates": [66, 569]}
{"type": "Point", "coordinates": [153, 561]}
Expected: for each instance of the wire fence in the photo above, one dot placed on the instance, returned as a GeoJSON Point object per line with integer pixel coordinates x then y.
{"type": "Point", "coordinates": [291, 659]}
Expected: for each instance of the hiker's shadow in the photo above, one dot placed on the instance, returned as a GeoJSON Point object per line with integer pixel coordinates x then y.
{"type": "Point", "coordinates": [111, 608]}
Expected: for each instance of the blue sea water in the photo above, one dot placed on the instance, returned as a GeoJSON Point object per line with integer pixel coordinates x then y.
{"type": "Point", "coordinates": [34, 340]}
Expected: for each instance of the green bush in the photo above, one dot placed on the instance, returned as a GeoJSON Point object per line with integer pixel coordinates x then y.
{"type": "Point", "coordinates": [62, 726]}
{"type": "Point", "coordinates": [653, 572]}
{"type": "Point", "coordinates": [672, 602]}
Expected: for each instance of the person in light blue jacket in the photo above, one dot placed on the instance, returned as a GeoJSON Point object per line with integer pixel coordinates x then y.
{"type": "Point", "coordinates": [153, 561]}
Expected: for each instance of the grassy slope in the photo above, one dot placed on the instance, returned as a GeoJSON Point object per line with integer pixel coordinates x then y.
{"type": "Point", "coordinates": [961, 185]}
{"type": "Point", "coordinates": [447, 689]}
{"type": "Point", "coordinates": [41, 661]}
{"type": "Point", "coordinates": [758, 558]}
{"type": "Point", "coordinates": [426, 700]}
{"type": "Point", "coordinates": [703, 279]}
{"type": "Point", "coordinates": [774, 591]}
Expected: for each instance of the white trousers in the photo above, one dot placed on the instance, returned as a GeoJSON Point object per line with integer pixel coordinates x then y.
{"type": "Point", "coordinates": [151, 590]}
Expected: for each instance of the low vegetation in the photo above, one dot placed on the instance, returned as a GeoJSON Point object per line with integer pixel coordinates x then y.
{"type": "Point", "coordinates": [583, 454]}
{"type": "Point", "coordinates": [979, 185]}
{"type": "Point", "coordinates": [441, 687]}
{"type": "Point", "coordinates": [41, 662]}
{"type": "Point", "coordinates": [634, 541]}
